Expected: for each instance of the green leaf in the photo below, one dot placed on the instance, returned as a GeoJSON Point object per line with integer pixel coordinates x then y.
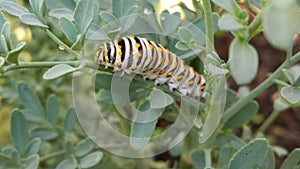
{"type": "Point", "coordinates": [69, 29]}
{"type": "Point", "coordinates": [3, 45]}
{"type": "Point", "coordinates": [229, 5]}
{"type": "Point", "coordinates": [159, 99]}
{"type": "Point", "coordinates": [16, 157]}
{"type": "Point", "coordinates": [84, 146]}
{"type": "Point", "coordinates": [83, 15]}
{"type": "Point", "coordinates": [120, 7]}
{"type": "Point", "coordinates": [143, 126]}
{"type": "Point", "coordinates": [13, 55]}
{"type": "Point", "coordinates": [19, 130]}
{"type": "Point", "coordinates": [280, 25]}
{"type": "Point", "coordinates": [2, 60]}
{"type": "Point", "coordinates": [216, 109]}
{"type": "Point", "coordinates": [269, 160]}
{"type": "Point", "coordinates": [37, 6]}
{"type": "Point", "coordinates": [289, 75]}
{"type": "Point", "coordinates": [292, 160]}
{"type": "Point", "coordinates": [44, 133]}
{"type": "Point", "coordinates": [224, 156]}
{"type": "Point", "coordinates": [32, 162]}
{"type": "Point", "coordinates": [214, 70]}
{"type": "Point", "coordinates": [70, 120]}
{"type": "Point", "coordinates": [5, 30]}
{"type": "Point", "coordinates": [228, 22]}
{"type": "Point", "coordinates": [250, 156]}
{"type": "Point", "coordinates": [169, 23]}
{"type": "Point", "coordinates": [198, 159]}
{"type": "Point", "coordinates": [33, 146]}
{"type": "Point", "coordinates": [32, 20]}
{"type": "Point", "coordinates": [62, 12]}
{"type": "Point", "coordinates": [58, 71]}
{"type": "Point", "coordinates": [185, 35]}
{"type": "Point", "coordinates": [182, 46]}
{"type": "Point", "coordinates": [67, 164]}
{"type": "Point", "coordinates": [242, 116]}
{"type": "Point", "coordinates": [280, 104]}
{"type": "Point", "coordinates": [200, 23]}
{"type": "Point", "coordinates": [103, 80]}
{"type": "Point", "coordinates": [52, 109]}
{"type": "Point", "coordinates": [78, 43]}
{"type": "Point", "coordinates": [110, 19]}
{"type": "Point", "coordinates": [2, 19]}
{"type": "Point", "coordinates": [292, 95]}
{"type": "Point", "coordinates": [31, 102]}
{"type": "Point", "coordinates": [243, 61]}
{"type": "Point", "coordinates": [91, 160]}
{"type": "Point", "coordinates": [13, 8]}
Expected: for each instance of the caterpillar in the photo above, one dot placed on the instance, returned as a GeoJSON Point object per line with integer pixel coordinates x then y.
{"type": "Point", "coordinates": [133, 54]}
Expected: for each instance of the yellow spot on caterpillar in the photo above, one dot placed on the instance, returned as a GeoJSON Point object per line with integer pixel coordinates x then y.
{"type": "Point", "coordinates": [120, 53]}
{"type": "Point", "coordinates": [202, 88]}
{"type": "Point", "coordinates": [175, 63]}
{"type": "Point", "coordinates": [133, 67]}
{"type": "Point", "coordinates": [155, 70]}
{"type": "Point", "coordinates": [145, 69]}
{"type": "Point", "coordinates": [159, 49]}
{"type": "Point", "coordinates": [179, 77]}
{"type": "Point", "coordinates": [106, 59]}
{"type": "Point", "coordinates": [169, 74]}
{"type": "Point", "coordinates": [167, 51]}
{"type": "Point", "coordinates": [105, 53]}
{"type": "Point", "coordinates": [150, 58]}
{"type": "Point", "coordinates": [119, 46]}
{"type": "Point", "coordinates": [191, 82]}
{"type": "Point", "coordinates": [161, 59]}
{"type": "Point", "coordinates": [137, 45]}
{"type": "Point", "coordinates": [161, 72]}
{"type": "Point", "coordinates": [138, 55]}
{"type": "Point", "coordinates": [151, 46]}
{"type": "Point", "coordinates": [193, 72]}
{"type": "Point", "coordinates": [119, 63]}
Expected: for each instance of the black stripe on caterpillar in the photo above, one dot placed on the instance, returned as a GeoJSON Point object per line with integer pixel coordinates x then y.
{"type": "Point", "coordinates": [133, 54]}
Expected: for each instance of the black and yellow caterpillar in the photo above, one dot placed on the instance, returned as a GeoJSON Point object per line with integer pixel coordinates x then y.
{"type": "Point", "coordinates": [133, 54]}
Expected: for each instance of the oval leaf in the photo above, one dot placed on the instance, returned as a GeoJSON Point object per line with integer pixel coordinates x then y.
{"type": "Point", "coordinates": [70, 120]}
{"type": "Point", "coordinates": [292, 95]}
{"type": "Point", "coordinates": [83, 15]}
{"type": "Point", "coordinates": [13, 55]}
{"type": "Point", "coordinates": [91, 159]}
{"type": "Point", "coordinates": [1, 61]}
{"type": "Point", "coordinates": [31, 103]}
{"type": "Point", "coordinates": [242, 116]}
{"type": "Point", "coordinates": [158, 99]}
{"type": "Point", "coordinates": [58, 71]}
{"type": "Point", "coordinates": [68, 28]}
{"type": "Point", "coordinates": [67, 164]}
{"type": "Point", "coordinates": [33, 146]}
{"type": "Point", "coordinates": [32, 19]}
{"type": "Point", "coordinates": [18, 130]}
{"type": "Point", "coordinates": [280, 25]}
{"type": "Point", "coordinates": [13, 8]}
{"type": "Point", "coordinates": [229, 5]}
{"type": "Point", "coordinates": [32, 162]}
{"type": "Point", "coordinates": [62, 12]}
{"type": "Point", "coordinates": [84, 147]}
{"type": "Point", "coordinates": [44, 133]}
{"type": "Point", "coordinates": [185, 35]}
{"type": "Point", "coordinates": [198, 159]}
{"type": "Point", "coordinates": [250, 156]}
{"type": "Point", "coordinates": [292, 160]}
{"type": "Point", "coordinates": [52, 109]}
{"type": "Point", "coordinates": [120, 7]}
{"type": "Point", "coordinates": [228, 23]}
{"type": "Point", "coordinates": [243, 61]}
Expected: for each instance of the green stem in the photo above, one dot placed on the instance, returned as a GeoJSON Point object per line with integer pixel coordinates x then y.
{"type": "Point", "coordinates": [255, 27]}
{"type": "Point", "coordinates": [267, 123]}
{"type": "Point", "coordinates": [53, 155]}
{"type": "Point", "coordinates": [265, 84]}
{"type": "Point", "coordinates": [60, 43]}
{"type": "Point", "coordinates": [208, 26]}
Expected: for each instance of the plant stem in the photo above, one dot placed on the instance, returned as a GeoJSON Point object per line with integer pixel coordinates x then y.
{"type": "Point", "coordinates": [60, 43]}
{"type": "Point", "coordinates": [255, 27]}
{"type": "Point", "coordinates": [209, 27]}
{"type": "Point", "coordinates": [267, 123]}
{"type": "Point", "coordinates": [53, 155]}
{"type": "Point", "coordinates": [265, 84]}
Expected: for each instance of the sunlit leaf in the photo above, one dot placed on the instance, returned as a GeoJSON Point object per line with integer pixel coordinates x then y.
{"type": "Point", "coordinates": [69, 28]}
{"type": "Point", "coordinates": [228, 22]}
{"type": "Point", "coordinates": [292, 95]}
{"type": "Point", "coordinates": [13, 55]}
{"type": "Point", "coordinates": [91, 160]}
{"type": "Point", "coordinates": [32, 20]}
{"type": "Point", "coordinates": [62, 12]}
{"type": "Point", "coordinates": [83, 15]}
{"type": "Point", "coordinates": [67, 164]}
{"type": "Point", "coordinates": [58, 71]}
{"type": "Point", "coordinates": [32, 162]}
{"type": "Point", "coordinates": [13, 8]}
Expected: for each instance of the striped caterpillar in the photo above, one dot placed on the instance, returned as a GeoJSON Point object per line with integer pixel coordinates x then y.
{"type": "Point", "coordinates": [133, 54]}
